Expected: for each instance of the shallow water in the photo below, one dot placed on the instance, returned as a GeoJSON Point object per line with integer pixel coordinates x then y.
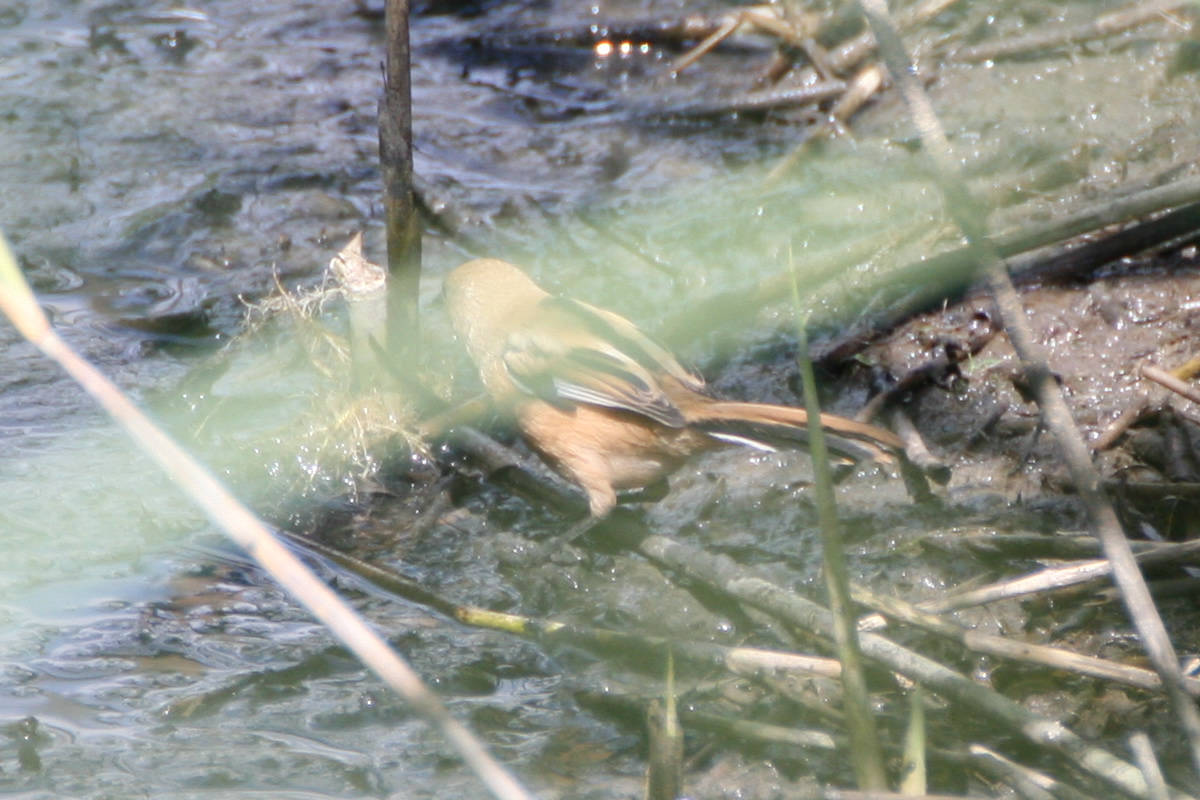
{"type": "Point", "coordinates": [158, 166]}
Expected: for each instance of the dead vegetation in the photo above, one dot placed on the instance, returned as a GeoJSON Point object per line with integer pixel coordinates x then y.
{"type": "Point", "coordinates": [1072, 692]}
{"type": "Point", "coordinates": [1002, 661]}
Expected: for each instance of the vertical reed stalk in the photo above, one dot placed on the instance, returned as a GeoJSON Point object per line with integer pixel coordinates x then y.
{"type": "Point", "coordinates": [865, 749]}
{"type": "Point", "coordinates": [399, 198]}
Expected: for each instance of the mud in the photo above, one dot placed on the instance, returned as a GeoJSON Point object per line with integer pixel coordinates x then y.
{"type": "Point", "coordinates": [160, 167]}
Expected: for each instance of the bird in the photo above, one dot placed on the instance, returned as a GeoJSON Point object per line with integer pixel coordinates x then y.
{"type": "Point", "coordinates": [602, 402]}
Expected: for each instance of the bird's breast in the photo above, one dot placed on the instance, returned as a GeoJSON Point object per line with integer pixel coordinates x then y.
{"type": "Point", "coordinates": [628, 450]}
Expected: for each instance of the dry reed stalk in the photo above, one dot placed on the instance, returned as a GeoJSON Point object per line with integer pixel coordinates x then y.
{"type": "Point", "coordinates": [18, 303]}
{"type": "Point", "coordinates": [970, 218]}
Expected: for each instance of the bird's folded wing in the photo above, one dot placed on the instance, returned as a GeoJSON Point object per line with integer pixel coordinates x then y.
{"type": "Point", "coordinates": [580, 356]}
{"type": "Point", "coordinates": [631, 340]}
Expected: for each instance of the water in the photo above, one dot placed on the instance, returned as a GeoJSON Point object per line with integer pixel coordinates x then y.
{"type": "Point", "coordinates": [160, 166]}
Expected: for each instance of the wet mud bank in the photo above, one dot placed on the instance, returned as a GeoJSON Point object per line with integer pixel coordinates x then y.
{"type": "Point", "coordinates": [163, 166]}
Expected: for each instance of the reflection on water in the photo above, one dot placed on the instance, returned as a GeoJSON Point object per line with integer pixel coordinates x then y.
{"type": "Point", "coordinates": [158, 166]}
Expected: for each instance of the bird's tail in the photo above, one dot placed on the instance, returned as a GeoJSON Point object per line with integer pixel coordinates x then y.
{"type": "Point", "coordinates": [771, 427]}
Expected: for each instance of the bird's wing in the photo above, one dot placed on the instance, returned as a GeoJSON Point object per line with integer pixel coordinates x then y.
{"type": "Point", "coordinates": [629, 338]}
{"type": "Point", "coordinates": [578, 354]}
